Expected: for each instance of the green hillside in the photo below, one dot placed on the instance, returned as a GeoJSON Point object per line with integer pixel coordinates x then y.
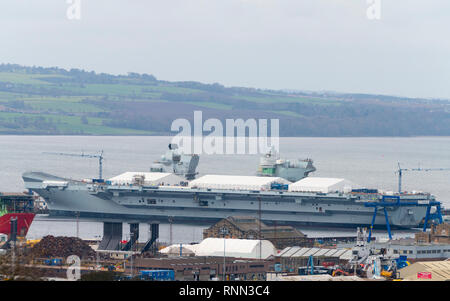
{"type": "Point", "coordinates": [36, 100]}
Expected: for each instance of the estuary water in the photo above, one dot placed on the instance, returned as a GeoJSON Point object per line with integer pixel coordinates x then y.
{"type": "Point", "coordinates": [369, 162]}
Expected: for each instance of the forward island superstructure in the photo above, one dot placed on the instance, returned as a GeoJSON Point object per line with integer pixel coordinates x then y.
{"type": "Point", "coordinates": [271, 165]}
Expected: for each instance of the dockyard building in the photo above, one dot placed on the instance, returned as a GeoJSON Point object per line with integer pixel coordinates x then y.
{"type": "Point", "coordinates": [426, 246]}
{"type": "Point", "coordinates": [439, 234]}
{"type": "Point", "coordinates": [427, 271]}
{"type": "Point", "coordinates": [206, 268]}
{"type": "Point", "coordinates": [291, 258]}
{"type": "Point", "coordinates": [247, 227]}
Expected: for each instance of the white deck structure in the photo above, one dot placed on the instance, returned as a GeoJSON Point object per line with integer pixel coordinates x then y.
{"type": "Point", "coordinates": [236, 182]}
{"type": "Point", "coordinates": [148, 178]}
{"type": "Point", "coordinates": [325, 185]}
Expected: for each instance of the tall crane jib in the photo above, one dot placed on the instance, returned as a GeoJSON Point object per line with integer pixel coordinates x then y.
{"type": "Point", "coordinates": [89, 156]}
{"type": "Point", "coordinates": [401, 170]}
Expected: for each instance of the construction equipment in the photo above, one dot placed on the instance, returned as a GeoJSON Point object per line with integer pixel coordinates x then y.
{"type": "Point", "coordinates": [311, 264]}
{"type": "Point", "coordinates": [369, 262]}
{"type": "Point", "coordinates": [311, 269]}
{"type": "Point", "coordinates": [32, 242]}
{"type": "Point", "coordinates": [89, 156]}
{"type": "Point", "coordinates": [401, 170]}
{"type": "Point", "coordinates": [340, 272]}
{"type": "Point", "coordinates": [385, 265]}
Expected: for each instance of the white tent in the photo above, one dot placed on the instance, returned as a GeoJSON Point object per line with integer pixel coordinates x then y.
{"type": "Point", "coordinates": [148, 178]}
{"type": "Point", "coordinates": [236, 182]}
{"type": "Point", "coordinates": [313, 184]}
{"type": "Point", "coordinates": [177, 249]}
{"type": "Point", "coordinates": [239, 248]}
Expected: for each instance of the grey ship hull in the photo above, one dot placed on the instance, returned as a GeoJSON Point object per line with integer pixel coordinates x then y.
{"type": "Point", "coordinates": [203, 205]}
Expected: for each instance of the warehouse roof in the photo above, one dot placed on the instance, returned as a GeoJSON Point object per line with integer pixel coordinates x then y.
{"type": "Point", "coordinates": [314, 184]}
{"type": "Point", "coordinates": [438, 270]}
{"type": "Point", "coordinates": [347, 255]}
{"type": "Point", "coordinates": [321, 252]}
{"type": "Point", "coordinates": [282, 252]}
{"type": "Point", "coordinates": [290, 251]}
{"type": "Point", "coordinates": [311, 251]}
{"type": "Point", "coordinates": [300, 252]}
{"type": "Point", "coordinates": [236, 182]}
{"type": "Point", "coordinates": [339, 252]}
{"type": "Point", "coordinates": [316, 252]}
{"type": "Point", "coordinates": [330, 252]}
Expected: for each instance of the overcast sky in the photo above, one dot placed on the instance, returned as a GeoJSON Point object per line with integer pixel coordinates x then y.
{"type": "Point", "coordinates": [278, 44]}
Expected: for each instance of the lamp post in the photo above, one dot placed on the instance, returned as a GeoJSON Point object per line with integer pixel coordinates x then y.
{"type": "Point", "coordinates": [78, 223]}
{"type": "Point", "coordinates": [223, 231]}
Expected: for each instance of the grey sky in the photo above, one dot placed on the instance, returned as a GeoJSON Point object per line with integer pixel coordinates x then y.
{"type": "Point", "coordinates": [278, 44]}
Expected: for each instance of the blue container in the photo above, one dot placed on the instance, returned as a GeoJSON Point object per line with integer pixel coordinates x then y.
{"type": "Point", "coordinates": [158, 275]}
{"type": "Point", "coordinates": [278, 186]}
{"type": "Point", "coordinates": [277, 268]}
{"type": "Point", "coordinates": [56, 261]}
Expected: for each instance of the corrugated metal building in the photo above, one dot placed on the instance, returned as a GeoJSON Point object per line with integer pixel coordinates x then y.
{"type": "Point", "coordinates": [437, 234]}
{"type": "Point", "coordinates": [292, 258]}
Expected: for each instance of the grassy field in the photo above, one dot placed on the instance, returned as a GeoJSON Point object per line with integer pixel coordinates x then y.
{"type": "Point", "coordinates": [55, 102]}
{"type": "Point", "coordinates": [24, 78]}
{"type": "Point", "coordinates": [65, 125]}
{"type": "Point", "coordinates": [271, 99]}
{"type": "Point", "coordinates": [36, 100]}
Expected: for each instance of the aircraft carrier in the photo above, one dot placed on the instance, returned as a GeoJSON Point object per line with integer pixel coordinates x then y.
{"type": "Point", "coordinates": [170, 191]}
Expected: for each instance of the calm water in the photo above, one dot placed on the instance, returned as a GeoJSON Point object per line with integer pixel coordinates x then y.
{"type": "Point", "coordinates": [370, 162]}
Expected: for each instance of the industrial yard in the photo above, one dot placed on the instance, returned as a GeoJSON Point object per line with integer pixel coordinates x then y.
{"type": "Point", "coordinates": [238, 248]}
{"type": "Point", "coordinates": [262, 246]}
